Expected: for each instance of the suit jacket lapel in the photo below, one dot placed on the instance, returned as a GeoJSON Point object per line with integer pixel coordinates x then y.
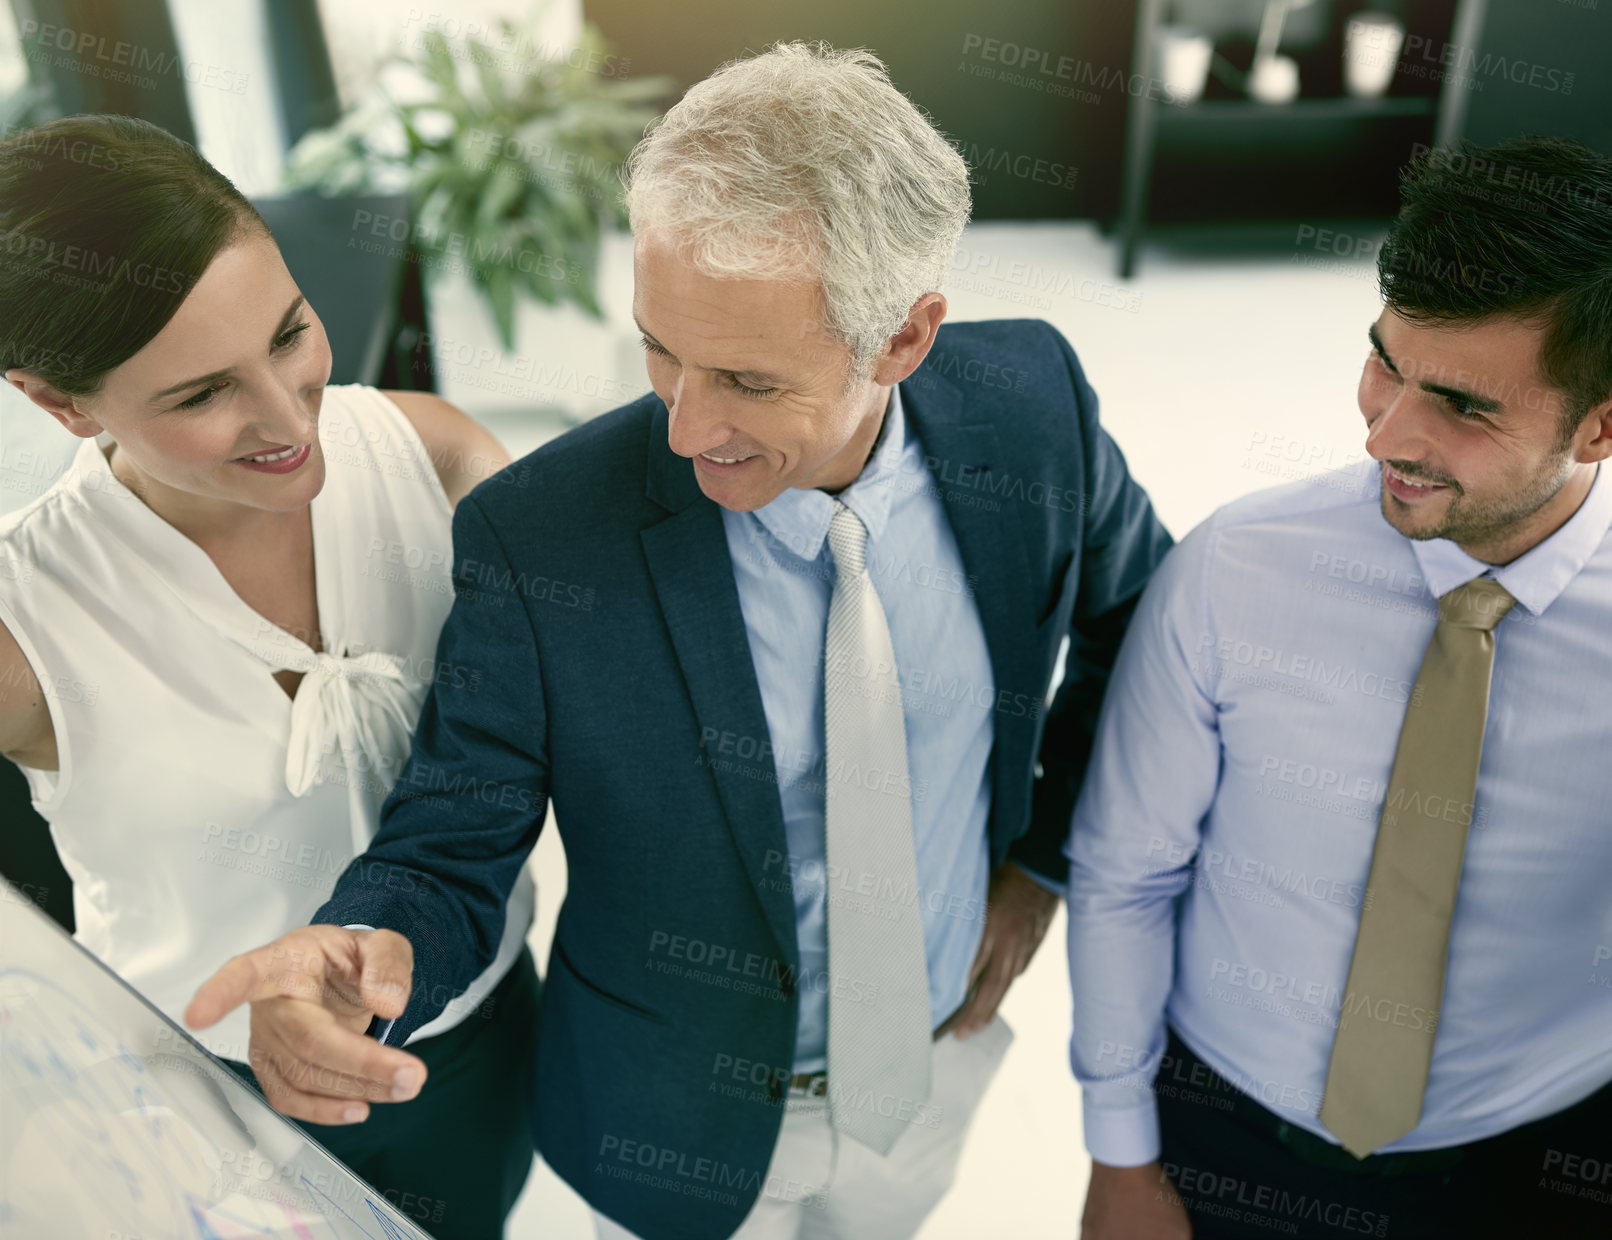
{"type": "Point", "coordinates": [964, 459]}
{"type": "Point", "coordinates": [693, 580]}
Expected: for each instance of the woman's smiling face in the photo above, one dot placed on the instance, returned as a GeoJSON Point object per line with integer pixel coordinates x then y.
{"type": "Point", "coordinates": [223, 403]}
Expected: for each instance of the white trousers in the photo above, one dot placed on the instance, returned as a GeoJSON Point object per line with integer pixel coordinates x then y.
{"type": "Point", "coordinates": [824, 1186]}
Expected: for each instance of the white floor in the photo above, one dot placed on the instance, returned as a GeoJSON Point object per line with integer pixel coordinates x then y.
{"type": "Point", "coordinates": [1218, 375]}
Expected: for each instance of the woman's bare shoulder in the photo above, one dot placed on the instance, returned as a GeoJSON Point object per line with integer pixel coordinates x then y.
{"type": "Point", "coordinates": [464, 452]}
{"type": "Point", "coordinates": [26, 734]}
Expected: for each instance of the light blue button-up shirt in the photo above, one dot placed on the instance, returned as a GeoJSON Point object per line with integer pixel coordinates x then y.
{"type": "Point", "coordinates": [785, 574]}
{"type": "Point", "coordinates": [1241, 767]}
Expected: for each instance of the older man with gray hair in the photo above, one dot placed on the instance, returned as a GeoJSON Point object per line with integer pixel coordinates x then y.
{"type": "Point", "coordinates": [804, 647]}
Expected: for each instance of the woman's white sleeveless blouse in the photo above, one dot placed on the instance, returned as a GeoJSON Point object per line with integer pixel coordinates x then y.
{"type": "Point", "coordinates": [199, 811]}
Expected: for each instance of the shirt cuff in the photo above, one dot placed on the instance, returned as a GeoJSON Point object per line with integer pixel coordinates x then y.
{"type": "Point", "coordinates": [1122, 1136]}
{"type": "Point", "coordinates": [379, 1031]}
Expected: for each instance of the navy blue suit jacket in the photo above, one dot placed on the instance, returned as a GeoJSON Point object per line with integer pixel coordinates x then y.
{"type": "Point", "coordinates": [596, 600]}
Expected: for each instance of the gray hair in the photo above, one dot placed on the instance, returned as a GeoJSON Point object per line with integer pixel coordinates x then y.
{"type": "Point", "coordinates": [806, 163]}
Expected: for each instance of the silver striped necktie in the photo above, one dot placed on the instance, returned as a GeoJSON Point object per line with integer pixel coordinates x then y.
{"type": "Point", "coordinates": [878, 1008]}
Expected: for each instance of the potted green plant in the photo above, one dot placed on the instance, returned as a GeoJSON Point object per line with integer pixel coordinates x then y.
{"type": "Point", "coordinates": [512, 161]}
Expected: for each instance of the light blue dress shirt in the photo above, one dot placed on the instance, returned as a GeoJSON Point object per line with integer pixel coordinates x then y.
{"type": "Point", "coordinates": [1223, 838]}
{"type": "Point", "coordinates": [785, 574]}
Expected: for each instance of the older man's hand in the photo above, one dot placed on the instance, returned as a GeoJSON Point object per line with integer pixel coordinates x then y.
{"type": "Point", "coordinates": [313, 992]}
{"type": "Point", "coordinates": [1019, 911]}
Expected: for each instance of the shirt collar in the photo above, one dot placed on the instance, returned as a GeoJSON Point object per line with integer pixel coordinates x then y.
{"type": "Point", "coordinates": [1536, 577]}
{"type": "Point", "coordinates": [799, 519]}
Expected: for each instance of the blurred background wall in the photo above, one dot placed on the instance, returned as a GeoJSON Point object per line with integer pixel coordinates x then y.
{"type": "Point", "coordinates": [1065, 112]}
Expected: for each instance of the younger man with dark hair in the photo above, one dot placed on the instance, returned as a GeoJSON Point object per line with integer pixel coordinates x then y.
{"type": "Point", "coordinates": [1340, 900]}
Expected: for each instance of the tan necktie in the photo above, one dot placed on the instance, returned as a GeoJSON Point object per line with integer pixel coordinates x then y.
{"type": "Point", "coordinates": [878, 1005]}
{"type": "Point", "coordinates": [1386, 1026]}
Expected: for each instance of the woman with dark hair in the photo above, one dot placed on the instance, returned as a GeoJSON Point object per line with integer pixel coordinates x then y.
{"type": "Point", "coordinates": [223, 620]}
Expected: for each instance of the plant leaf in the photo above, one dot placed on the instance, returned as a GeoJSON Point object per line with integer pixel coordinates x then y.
{"type": "Point", "coordinates": [511, 179]}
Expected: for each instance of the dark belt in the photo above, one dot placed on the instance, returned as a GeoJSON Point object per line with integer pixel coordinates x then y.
{"type": "Point", "coordinates": [815, 1084]}
{"type": "Point", "coordinates": [1305, 1144]}
{"type": "Point", "coordinates": [1321, 1153]}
